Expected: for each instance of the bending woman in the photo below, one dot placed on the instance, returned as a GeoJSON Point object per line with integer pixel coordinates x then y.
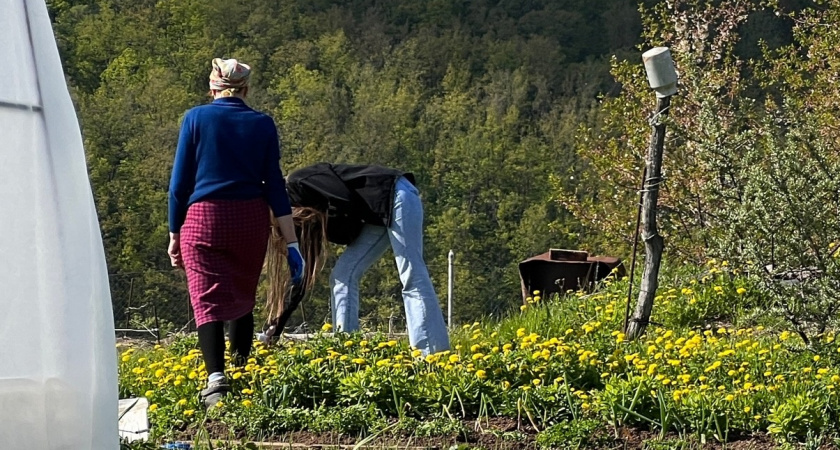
{"type": "Point", "coordinates": [368, 208]}
{"type": "Point", "coordinates": [225, 178]}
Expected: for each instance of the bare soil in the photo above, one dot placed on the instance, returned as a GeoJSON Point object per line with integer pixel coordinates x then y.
{"type": "Point", "coordinates": [500, 433]}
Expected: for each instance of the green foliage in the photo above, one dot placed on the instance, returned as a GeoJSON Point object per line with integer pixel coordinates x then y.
{"type": "Point", "coordinates": [708, 380]}
{"type": "Point", "coordinates": [480, 100]}
{"type": "Point", "coordinates": [750, 162]}
{"type": "Point", "coordinates": [258, 420]}
{"type": "Point", "coordinates": [520, 137]}
{"type": "Point", "coordinates": [440, 427]}
{"type": "Point", "coordinates": [573, 434]}
{"type": "Point", "coordinates": [795, 417]}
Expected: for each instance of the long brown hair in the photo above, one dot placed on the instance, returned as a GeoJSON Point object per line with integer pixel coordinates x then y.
{"type": "Point", "coordinates": [311, 228]}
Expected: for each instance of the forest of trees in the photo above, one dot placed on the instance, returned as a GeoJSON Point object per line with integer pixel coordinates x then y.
{"type": "Point", "coordinates": [524, 121]}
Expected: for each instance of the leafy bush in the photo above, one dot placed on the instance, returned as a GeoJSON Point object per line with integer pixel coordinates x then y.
{"type": "Point", "coordinates": [572, 434]}
{"type": "Point", "coordinates": [795, 417]}
{"type": "Point", "coordinates": [440, 426]}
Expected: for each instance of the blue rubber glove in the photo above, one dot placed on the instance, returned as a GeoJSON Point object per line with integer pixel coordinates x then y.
{"type": "Point", "coordinates": [296, 262]}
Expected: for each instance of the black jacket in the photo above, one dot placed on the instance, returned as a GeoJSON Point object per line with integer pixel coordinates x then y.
{"type": "Point", "coordinates": [350, 195]}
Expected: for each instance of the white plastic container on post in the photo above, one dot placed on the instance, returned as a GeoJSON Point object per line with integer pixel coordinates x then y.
{"type": "Point", "coordinates": [661, 73]}
{"type": "Point", "coordinates": [58, 371]}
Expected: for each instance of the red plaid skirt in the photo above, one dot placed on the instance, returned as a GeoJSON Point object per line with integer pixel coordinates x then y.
{"type": "Point", "coordinates": [223, 243]}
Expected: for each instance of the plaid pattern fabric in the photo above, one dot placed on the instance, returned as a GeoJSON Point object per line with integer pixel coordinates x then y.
{"type": "Point", "coordinates": [223, 243]}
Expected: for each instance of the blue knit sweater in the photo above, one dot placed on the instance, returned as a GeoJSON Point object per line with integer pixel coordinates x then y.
{"type": "Point", "coordinates": [226, 151]}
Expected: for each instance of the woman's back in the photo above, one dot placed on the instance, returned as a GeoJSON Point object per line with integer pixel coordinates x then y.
{"type": "Point", "coordinates": [233, 152]}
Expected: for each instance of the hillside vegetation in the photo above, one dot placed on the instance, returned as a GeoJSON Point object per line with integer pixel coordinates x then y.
{"type": "Point", "coordinates": [525, 123]}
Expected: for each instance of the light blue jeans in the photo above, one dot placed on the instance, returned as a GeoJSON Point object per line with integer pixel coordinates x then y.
{"type": "Point", "coordinates": [426, 329]}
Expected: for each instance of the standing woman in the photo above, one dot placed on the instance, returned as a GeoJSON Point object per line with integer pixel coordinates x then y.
{"type": "Point", "coordinates": [225, 178]}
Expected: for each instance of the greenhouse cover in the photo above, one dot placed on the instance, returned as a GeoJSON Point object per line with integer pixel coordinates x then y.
{"type": "Point", "coordinates": [58, 380]}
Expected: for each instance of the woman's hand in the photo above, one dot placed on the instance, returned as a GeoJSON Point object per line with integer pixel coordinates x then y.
{"type": "Point", "coordinates": [175, 250]}
{"type": "Point", "coordinates": [296, 262]}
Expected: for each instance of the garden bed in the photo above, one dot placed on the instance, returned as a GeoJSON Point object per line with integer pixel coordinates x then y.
{"type": "Point", "coordinates": [716, 369]}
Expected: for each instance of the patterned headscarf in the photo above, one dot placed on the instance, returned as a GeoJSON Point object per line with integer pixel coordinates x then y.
{"type": "Point", "coordinates": [228, 74]}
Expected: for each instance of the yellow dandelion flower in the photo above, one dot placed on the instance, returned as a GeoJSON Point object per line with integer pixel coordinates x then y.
{"type": "Point", "coordinates": [153, 407]}
{"type": "Point", "coordinates": [784, 336]}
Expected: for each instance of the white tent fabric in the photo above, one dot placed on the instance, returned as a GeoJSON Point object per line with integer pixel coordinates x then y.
{"type": "Point", "coordinates": [58, 377]}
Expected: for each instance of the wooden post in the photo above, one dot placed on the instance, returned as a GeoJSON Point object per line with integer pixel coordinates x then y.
{"type": "Point", "coordinates": [635, 247]}
{"type": "Point", "coordinates": [654, 244]}
{"type": "Point", "coordinates": [450, 291]}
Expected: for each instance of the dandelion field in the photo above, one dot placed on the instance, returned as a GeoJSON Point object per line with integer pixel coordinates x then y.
{"type": "Point", "coordinates": [714, 367]}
